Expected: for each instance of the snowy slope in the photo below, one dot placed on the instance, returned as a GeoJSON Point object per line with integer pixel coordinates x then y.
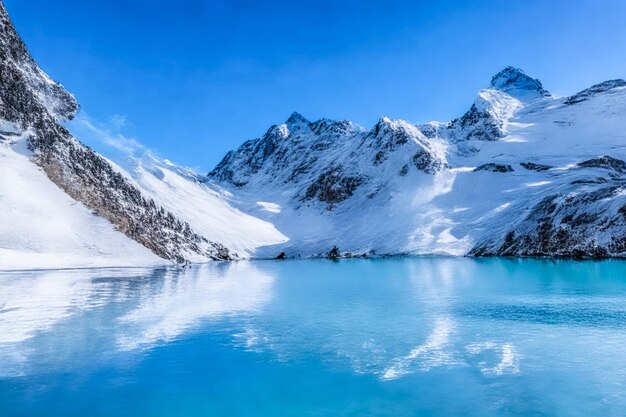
{"type": "Point", "coordinates": [208, 210]}
{"type": "Point", "coordinates": [521, 173]}
{"type": "Point", "coordinates": [42, 227]}
{"type": "Point", "coordinates": [65, 205]}
{"type": "Point", "coordinates": [33, 102]}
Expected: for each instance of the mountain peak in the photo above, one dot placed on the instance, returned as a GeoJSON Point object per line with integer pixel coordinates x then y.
{"type": "Point", "coordinates": [515, 82]}
{"type": "Point", "coordinates": [296, 119]}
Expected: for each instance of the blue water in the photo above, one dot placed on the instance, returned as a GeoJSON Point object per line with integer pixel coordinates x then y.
{"type": "Point", "coordinates": [395, 337]}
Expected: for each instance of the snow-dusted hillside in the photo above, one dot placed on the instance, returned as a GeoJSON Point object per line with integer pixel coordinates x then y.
{"type": "Point", "coordinates": [184, 193]}
{"type": "Point", "coordinates": [64, 205]}
{"type": "Point", "coordinates": [521, 173]}
{"type": "Point", "coordinates": [42, 227]}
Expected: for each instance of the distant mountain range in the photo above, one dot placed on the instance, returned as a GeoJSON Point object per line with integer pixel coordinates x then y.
{"type": "Point", "coordinates": [521, 173]}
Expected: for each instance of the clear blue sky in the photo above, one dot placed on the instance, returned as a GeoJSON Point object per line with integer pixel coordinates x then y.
{"type": "Point", "coordinates": [193, 79]}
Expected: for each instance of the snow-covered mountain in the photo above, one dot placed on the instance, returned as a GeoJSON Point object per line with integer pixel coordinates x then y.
{"type": "Point", "coordinates": [64, 205]}
{"type": "Point", "coordinates": [521, 173]}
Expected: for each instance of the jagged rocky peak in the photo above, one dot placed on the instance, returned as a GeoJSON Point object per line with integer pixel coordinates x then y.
{"type": "Point", "coordinates": [487, 117]}
{"type": "Point", "coordinates": [400, 130]}
{"type": "Point", "coordinates": [289, 149]}
{"type": "Point", "coordinates": [335, 128]}
{"type": "Point", "coordinates": [296, 119]}
{"type": "Point", "coordinates": [297, 123]}
{"type": "Point", "coordinates": [388, 134]}
{"type": "Point", "coordinates": [252, 156]}
{"type": "Point", "coordinates": [26, 92]}
{"type": "Point", "coordinates": [515, 82]}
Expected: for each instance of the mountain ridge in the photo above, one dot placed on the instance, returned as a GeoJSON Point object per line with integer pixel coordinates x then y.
{"type": "Point", "coordinates": [521, 173]}
{"type": "Point", "coordinates": [333, 179]}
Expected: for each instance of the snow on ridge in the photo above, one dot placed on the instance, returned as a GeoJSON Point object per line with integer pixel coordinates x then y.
{"type": "Point", "coordinates": [453, 188]}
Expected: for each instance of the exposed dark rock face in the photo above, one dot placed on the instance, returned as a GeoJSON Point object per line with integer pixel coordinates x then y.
{"type": "Point", "coordinates": [225, 173]}
{"type": "Point", "coordinates": [492, 167]}
{"type": "Point", "coordinates": [23, 84]}
{"type": "Point", "coordinates": [256, 153]}
{"type": "Point", "coordinates": [531, 166]}
{"type": "Point", "coordinates": [431, 131]}
{"type": "Point", "coordinates": [385, 138]}
{"type": "Point", "coordinates": [33, 101]}
{"type": "Point", "coordinates": [333, 253]}
{"type": "Point", "coordinates": [388, 137]}
{"type": "Point", "coordinates": [477, 125]}
{"type": "Point", "coordinates": [333, 188]}
{"type": "Point", "coordinates": [426, 162]}
{"type": "Point", "coordinates": [604, 87]}
{"type": "Point", "coordinates": [88, 178]}
{"type": "Point", "coordinates": [605, 162]}
{"type": "Point", "coordinates": [587, 224]}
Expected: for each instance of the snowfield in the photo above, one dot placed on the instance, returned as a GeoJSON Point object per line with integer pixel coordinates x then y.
{"type": "Point", "coordinates": [42, 227]}
{"type": "Point", "coordinates": [182, 192]}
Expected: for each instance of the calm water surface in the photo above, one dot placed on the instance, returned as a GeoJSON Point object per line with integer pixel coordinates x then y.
{"type": "Point", "coordinates": [396, 337]}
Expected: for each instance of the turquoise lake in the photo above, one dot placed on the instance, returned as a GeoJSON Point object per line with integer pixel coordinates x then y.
{"type": "Point", "coordinates": [388, 337]}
